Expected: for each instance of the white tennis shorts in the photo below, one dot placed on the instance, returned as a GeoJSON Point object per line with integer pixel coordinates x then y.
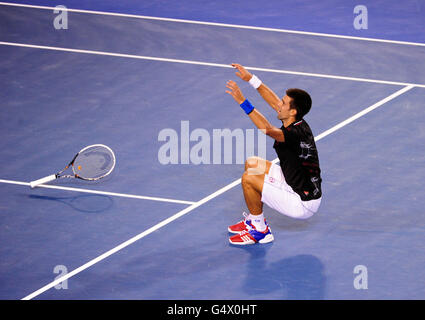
{"type": "Point", "coordinates": [278, 195]}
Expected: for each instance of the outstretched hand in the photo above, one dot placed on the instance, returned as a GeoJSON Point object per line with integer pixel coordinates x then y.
{"type": "Point", "coordinates": [242, 72]}
{"type": "Point", "coordinates": [235, 92]}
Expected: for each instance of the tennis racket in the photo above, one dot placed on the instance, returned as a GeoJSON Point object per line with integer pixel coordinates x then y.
{"type": "Point", "coordinates": [91, 163]}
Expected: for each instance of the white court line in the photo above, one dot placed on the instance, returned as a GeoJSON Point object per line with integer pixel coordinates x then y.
{"type": "Point", "coordinates": [114, 194]}
{"type": "Point", "coordinates": [363, 112]}
{"type": "Point", "coordinates": [219, 65]}
{"type": "Point", "coordinates": [226, 25]}
{"type": "Point", "coordinates": [200, 202]}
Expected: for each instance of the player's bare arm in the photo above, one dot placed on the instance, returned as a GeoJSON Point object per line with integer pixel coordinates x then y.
{"type": "Point", "coordinates": [256, 117]}
{"type": "Point", "coordinates": [266, 93]}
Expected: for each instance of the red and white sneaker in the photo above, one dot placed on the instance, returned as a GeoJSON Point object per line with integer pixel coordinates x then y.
{"type": "Point", "coordinates": [243, 225]}
{"type": "Point", "coordinates": [252, 236]}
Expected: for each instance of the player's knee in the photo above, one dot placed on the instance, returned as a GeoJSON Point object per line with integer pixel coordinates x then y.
{"type": "Point", "coordinates": [252, 162]}
{"type": "Point", "coordinates": [256, 166]}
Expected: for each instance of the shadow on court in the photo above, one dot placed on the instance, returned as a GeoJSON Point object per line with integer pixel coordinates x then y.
{"type": "Point", "coordinates": [296, 277]}
{"type": "Point", "coordinates": [87, 203]}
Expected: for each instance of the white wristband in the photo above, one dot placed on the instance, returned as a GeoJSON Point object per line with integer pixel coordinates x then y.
{"type": "Point", "coordinates": [255, 82]}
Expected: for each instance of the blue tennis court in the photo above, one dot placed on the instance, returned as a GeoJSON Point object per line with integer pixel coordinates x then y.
{"type": "Point", "coordinates": [126, 75]}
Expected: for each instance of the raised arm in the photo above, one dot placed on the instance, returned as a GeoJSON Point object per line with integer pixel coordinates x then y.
{"type": "Point", "coordinates": [268, 95]}
{"type": "Point", "coordinates": [256, 117]}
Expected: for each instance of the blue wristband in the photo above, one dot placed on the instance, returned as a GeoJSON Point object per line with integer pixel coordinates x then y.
{"type": "Point", "coordinates": [247, 106]}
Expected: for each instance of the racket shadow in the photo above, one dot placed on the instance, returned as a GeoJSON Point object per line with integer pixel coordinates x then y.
{"type": "Point", "coordinates": [86, 203]}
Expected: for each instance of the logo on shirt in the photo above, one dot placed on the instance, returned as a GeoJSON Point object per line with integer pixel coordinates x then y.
{"type": "Point", "coordinates": [306, 150]}
{"type": "Point", "coordinates": [315, 181]}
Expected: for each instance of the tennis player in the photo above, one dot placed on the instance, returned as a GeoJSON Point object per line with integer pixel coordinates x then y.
{"type": "Point", "coordinates": [292, 187]}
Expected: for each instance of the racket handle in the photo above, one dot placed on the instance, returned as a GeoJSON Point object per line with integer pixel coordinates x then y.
{"type": "Point", "coordinates": [42, 180]}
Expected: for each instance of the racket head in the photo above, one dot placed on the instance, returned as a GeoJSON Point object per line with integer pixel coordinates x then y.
{"type": "Point", "coordinates": [94, 162]}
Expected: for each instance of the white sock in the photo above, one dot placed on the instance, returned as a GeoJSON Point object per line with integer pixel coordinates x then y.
{"type": "Point", "coordinates": [258, 221]}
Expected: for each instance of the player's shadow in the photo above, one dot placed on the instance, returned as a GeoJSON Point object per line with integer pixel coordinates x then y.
{"type": "Point", "coordinates": [87, 203]}
{"type": "Point", "coordinates": [299, 277]}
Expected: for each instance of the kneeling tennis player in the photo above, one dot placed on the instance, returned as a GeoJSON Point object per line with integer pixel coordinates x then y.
{"type": "Point", "coordinates": [292, 187]}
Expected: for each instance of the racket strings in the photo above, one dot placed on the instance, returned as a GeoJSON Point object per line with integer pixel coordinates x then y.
{"type": "Point", "coordinates": [94, 162]}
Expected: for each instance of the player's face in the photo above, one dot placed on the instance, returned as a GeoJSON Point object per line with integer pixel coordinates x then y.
{"type": "Point", "coordinates": [284, 110]}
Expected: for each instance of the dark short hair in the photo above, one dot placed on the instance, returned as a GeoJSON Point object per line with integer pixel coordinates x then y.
{"type": "Point", "coordinates": [301, 101]}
